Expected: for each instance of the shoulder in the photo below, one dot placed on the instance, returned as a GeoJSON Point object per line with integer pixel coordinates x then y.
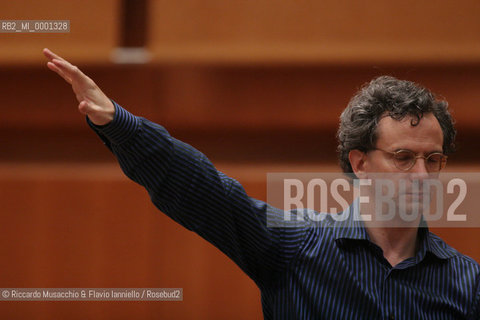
{"type": "Point", "coordinates": [442, 249]}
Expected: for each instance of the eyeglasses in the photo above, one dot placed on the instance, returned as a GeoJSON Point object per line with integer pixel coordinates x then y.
{"type": "Point", "coordinates": [406, 159]}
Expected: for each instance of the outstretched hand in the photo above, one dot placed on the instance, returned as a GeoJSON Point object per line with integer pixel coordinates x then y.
{"type": "Point", "coordinates": [92, 101]}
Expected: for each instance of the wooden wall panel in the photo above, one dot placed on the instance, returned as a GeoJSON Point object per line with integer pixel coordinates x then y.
{"type": "Point", "coordinates": [38, 98]}
{"type": "Point", "coordinates": [219, 98]}
{"type": "Point", "coordinates": [88, 226]}
{"type": "Point", "coordinates": [230, 113]}
{"type": "Point", "coordinates": [347, 31]}
{"type": "Point", "coordinates": [84, 225]}
{"type": "Point", "coordinates": [305, 97]}
{"type": "Point", "coordinates": [256, 85]}
{"type": "Point", "coordinates": [94, 30]}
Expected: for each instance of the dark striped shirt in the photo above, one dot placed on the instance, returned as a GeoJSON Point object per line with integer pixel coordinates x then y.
{"type": "Point", "coordinates": [331, 271]}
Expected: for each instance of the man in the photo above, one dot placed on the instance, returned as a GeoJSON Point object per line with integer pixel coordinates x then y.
{"type": "Point", "coordinates": [330, 270]}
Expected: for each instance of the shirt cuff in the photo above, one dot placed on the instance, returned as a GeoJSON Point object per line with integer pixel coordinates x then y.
{"type": "Point", "coordinates": [123, 126]}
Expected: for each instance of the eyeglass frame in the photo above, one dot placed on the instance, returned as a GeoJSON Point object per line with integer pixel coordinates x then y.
{"type": "Point", "coordinates": [394, 153]}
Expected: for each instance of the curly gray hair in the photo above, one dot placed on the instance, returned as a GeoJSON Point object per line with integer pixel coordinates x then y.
{"type": "Point", "coordinates": [395, 98]}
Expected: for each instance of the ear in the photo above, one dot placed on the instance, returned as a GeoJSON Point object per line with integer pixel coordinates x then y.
{"type": "Point", "coordinates": [357, 161]}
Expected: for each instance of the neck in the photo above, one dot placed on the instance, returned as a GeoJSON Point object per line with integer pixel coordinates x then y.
{"type": "Point", "coordinates": [397, 238]}
{"type": "Point", "coordinates": [397, 244]}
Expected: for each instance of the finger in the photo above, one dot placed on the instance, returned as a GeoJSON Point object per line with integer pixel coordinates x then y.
{"type": "Point", "coordinates": [54, 68]}
{"type": "Point", "coordinates": [70, 70]}
{"type": "Point", "coordinates": [50, 55]}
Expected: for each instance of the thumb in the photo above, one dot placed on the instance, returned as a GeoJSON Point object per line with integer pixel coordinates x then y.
{"type": "Point", "coordinates": [84, 107]}
{"type": "Point", "coordinates": [96, 114]}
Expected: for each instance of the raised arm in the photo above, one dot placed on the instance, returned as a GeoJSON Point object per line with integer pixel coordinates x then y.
{"type": "Point", "coordinates": [185, 185]}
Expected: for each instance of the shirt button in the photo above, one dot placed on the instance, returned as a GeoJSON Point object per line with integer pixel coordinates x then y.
{"type": "Point", "coordinates": [391, 317]}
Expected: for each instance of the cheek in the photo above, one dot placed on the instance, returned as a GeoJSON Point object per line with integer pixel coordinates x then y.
{"type": "Point", "coordinates": [378, 164]}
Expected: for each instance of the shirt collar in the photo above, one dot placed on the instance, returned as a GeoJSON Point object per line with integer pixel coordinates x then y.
{"type": "Point", "coordinates": [433, 244]}
{"type": "Point", "coordinates": [353, 228]}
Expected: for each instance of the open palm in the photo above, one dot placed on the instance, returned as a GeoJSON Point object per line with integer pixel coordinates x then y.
{"type": "Point", "coordinates": [92, 101]}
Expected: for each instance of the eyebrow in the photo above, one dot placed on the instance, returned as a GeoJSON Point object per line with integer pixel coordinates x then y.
{"type": "Point", "coordinates": [428, 153]}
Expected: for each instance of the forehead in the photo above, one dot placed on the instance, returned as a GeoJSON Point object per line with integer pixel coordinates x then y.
{"type": "Point", "coordinates": [426, 136]}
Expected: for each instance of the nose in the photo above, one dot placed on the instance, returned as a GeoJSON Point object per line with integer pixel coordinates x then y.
{"type": "Point", "coordinates": [419, 169]}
